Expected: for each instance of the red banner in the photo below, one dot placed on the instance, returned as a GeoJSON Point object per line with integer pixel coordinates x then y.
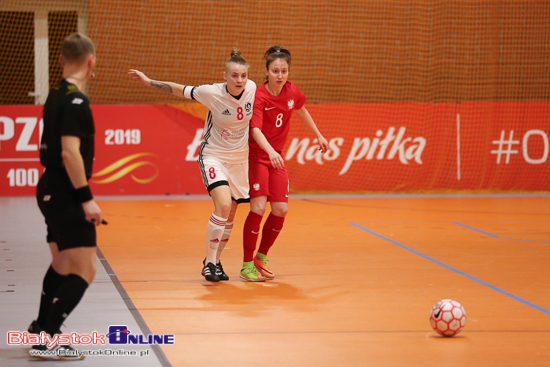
{"type": "Point", "coordinates": [140, 150]}
{"type": "Point", "coordinates": [411, 147]}
{"type": "Point", "coordinates": [152, 150]}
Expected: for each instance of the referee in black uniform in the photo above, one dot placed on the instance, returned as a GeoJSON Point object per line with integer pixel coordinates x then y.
{"type": "Point", "coordinates": [63, 194]}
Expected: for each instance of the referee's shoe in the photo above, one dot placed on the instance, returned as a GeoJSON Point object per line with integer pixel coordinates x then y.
{"type": "Point", "coordinates": [56, 352]}
{"type": "Point", "coordinates": [35, 328]}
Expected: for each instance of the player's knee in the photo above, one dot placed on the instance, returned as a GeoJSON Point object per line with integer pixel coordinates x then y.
{"type": "Point", "coordinates": [223, 210]}
{"type": "Point", "coordinates": [259, 209]}
{"type": "Point", "coordinates": [280, 212]}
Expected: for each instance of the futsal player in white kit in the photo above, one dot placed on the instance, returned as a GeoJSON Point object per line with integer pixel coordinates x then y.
{"type": "Point", "coordinates": [223, 154]}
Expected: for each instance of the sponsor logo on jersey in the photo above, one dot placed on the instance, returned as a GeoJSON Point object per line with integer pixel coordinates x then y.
{"type": "Point", "coordinates": [270, 108]}
{"type": "Point", "coordinates": [248, 106]}
{"type": "Point", "coordinates": [226, 112]}
{"type": "Point", "coordinates": [77, 101]}
{"type": "Point", "coordinates": [225, 134]}
{"type": "Point", "coordinates": [234, 135]}
{"type": "Point", "coordinates": [290, 104]}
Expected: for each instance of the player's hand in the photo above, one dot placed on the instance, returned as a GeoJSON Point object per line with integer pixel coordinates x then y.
{"type": "Point", "coordinates": [92, 212]}
{"type": "Point", "coordinates": [139, 76]}
{"type": "Point", "coordinates": [323, 144]}
{"type": "Point", "coordinates": [276, 160]}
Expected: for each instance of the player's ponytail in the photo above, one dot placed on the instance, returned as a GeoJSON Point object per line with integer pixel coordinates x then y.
{"type": "Point", "coordinates": [277, 52]}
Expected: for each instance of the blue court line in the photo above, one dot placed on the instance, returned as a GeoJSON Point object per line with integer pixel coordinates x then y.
{"type": "Point", "coordinates": [538, 308]}
{"type": "Point", "coordinates": [494, 235]}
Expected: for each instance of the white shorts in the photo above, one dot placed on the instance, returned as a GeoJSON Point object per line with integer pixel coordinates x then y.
{"type": "Point", "coordinates": [216, 173]}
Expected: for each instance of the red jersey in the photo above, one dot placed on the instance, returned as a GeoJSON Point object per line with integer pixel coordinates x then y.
{"type": "Point", "coordinates": [272, 116]}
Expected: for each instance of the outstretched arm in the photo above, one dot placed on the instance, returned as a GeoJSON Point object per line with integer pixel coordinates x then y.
{"type": "Point", "coordinates": [306, 118]}
{"type": "Point", "coordinates": [169, 87]}
{"type": "Point", "coordinates": [275, 158]}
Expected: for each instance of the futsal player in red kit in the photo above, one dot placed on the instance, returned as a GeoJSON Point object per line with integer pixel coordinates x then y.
{"type": "Point", "coordinates": [274, 103]}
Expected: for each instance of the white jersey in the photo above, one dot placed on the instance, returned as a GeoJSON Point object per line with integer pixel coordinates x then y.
{"type": "Point", "coordinates": [226, 127]}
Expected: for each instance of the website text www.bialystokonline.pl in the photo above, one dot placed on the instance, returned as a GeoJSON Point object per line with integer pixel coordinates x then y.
{"type": "Point", "coordinates": [77, 353]}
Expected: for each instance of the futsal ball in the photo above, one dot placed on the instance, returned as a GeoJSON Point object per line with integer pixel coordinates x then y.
{"type": "Point", "coordinates": [448, 317]}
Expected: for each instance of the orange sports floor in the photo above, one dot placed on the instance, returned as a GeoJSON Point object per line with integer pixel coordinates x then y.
{"type": "Point", "coordinates": [355, 282]}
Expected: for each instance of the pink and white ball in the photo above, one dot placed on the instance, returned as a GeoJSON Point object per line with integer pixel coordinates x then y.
{"type": "Point", "coordinates": [448, 317]}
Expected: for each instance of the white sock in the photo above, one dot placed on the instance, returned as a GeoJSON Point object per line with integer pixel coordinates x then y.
{"type": "Point", "coordinates": [214, 233]}
{"type": "Point", "coordinates": [225, 238]}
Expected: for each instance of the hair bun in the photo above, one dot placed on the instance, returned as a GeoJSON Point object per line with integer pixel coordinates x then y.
{"type": "Point", "coordinates": [236, 58]}
{"type": "Point", "coordinates": [235, 52]}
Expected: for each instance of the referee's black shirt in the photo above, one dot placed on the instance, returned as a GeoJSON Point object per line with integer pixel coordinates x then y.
{"type": "Point", "coordinates": [67, 112]}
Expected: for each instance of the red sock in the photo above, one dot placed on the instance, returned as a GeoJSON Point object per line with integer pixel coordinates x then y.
{"type": "Point", "coordinates": [250, 235]}
{"type": "Point", "coordinates": [272, 226]}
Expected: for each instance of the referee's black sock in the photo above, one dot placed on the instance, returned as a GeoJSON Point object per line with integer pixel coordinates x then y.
{"type": "Point", "coordinates": [52, 281]}
{"type": "Point", "coordinates": [66, 298]}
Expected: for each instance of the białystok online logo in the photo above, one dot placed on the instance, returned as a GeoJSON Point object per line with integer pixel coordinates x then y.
{"type": "Point", "coordinates": [121, 335]}
{"type": "Point", "coordinates": [118, 334]}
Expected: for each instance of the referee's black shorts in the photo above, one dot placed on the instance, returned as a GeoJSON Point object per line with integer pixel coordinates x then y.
{"type": "Point", "coordinates": [65, 218]}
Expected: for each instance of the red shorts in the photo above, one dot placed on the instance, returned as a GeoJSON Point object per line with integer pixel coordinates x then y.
{"type": "Point", "coordinates": [265, 180]}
